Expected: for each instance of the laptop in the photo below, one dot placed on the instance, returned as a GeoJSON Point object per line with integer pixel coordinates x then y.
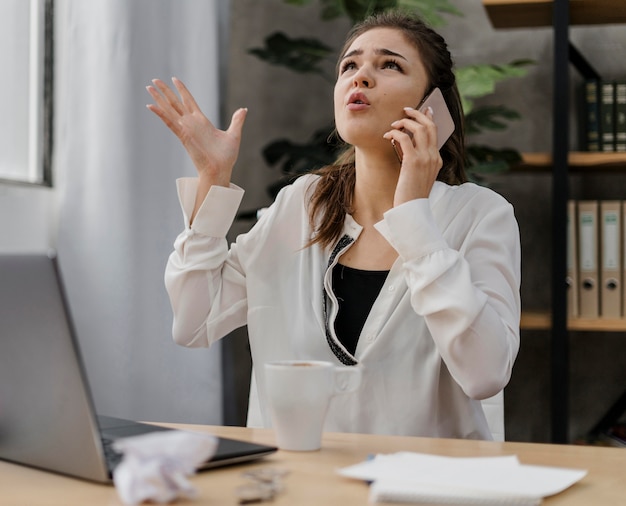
{"type": "Point", "coordinates": [47, 416]}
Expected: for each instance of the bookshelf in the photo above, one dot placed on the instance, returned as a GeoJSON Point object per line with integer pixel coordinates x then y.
{"type": "Point", "coordinates": [541, 320]}
{"type": "Point", "coordinates": [577, 161]}
{"type": "Point", "coordinates": [559, 15]}
{"type": "Point", "coordinates": [538, 13]}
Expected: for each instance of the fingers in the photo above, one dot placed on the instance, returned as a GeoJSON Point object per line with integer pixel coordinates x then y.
{"type": "Point", "coordinates": [165, 97]}
{"type": "Point", "coordinates": [177, 113]}
{"type": "Point", "coordinates": [185, 119]}
{"type": "Point", "coordinates": [166, 105]}
{"type": "Point", "coordinates": [187, 98]}
{"type": "Point", "coordinates": [416, 133]}
{"type": "Point", "coordinates": [400, 141]}
{"type": "Point", "coordinates": [420, 126]}
{"type": "Point", "coordinates": [159, 112]}
{"type": "Point", "coordinates": [168, 115]}
{"type": "Point", "coordinates": [157, 97]}
{"type": "Point", "coordinates": [415, 137]}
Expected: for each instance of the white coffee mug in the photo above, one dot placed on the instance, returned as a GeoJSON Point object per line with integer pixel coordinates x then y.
{"type": "Point", "coordinates": [298, 394]}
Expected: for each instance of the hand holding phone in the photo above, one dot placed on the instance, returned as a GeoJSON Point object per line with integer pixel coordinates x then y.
{"type": "Point", "coordinates": [441, 117]}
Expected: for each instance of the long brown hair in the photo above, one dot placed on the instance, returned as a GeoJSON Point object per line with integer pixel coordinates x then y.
{"type": "Point", "coordinates": [332, 196]}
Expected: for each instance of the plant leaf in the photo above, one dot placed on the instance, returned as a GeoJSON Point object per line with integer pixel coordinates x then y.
{"type": "Point", "coordinates": [429, 10]}
{"type": "Point", "coordinates": [332, 9]}
{"type": "Point", "coordinates": [476, 81]}
{"type": "Point", "coordinates": [300, 158]}
{"type": "Point", "coordinates": [489, 118]}
{"type": "Point", "coordinates": [358, 10]}
{"type": "Point", "coordinates": [302, 55]}
{"type": "Point", "coordinates": [487, 160]}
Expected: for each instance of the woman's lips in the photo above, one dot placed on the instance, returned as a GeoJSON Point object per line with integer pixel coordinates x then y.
{"type": "Point", "coordinates": [357, 102]}
{"type": "Point", "coordinates": [357, 106]}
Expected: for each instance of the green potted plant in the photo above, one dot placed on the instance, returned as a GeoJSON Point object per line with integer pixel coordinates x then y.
{"type": "Point", "coordinates": [307, 55]}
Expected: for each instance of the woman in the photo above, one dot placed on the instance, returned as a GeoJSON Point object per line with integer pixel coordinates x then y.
{"type": "Point", "coordinates": [401, 267]}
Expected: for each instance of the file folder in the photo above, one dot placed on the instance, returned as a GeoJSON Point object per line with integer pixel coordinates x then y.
{"type": "Point", "coordinates": [610, 263]}
{"type": "Point", "coordinates": [572, 261]}
{"type": "Point", "coordinates": [588, 259]}
{"type": "Point", "coordinates": [624, 259]}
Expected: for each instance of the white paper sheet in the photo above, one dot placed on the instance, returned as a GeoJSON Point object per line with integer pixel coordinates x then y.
{"type": "Point", "coordinates": [417, 477]}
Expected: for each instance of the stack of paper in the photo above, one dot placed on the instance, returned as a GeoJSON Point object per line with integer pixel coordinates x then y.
{"type": "Point", "coordinates": [416, 477]}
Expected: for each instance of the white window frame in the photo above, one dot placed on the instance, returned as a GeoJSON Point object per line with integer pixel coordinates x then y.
{"type": "Point", "coordinates": [40, 105]}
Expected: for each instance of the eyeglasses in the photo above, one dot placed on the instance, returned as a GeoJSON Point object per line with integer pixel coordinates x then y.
{"type": "Point", "coordinates": [265, 483]}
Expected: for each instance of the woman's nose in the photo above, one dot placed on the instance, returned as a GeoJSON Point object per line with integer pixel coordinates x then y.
{"type": "Point", "coordinates": [362, 79]}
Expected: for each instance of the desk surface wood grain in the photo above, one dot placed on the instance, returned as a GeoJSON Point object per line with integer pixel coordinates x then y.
{"type": "Point", "coordinates": [313, 481]}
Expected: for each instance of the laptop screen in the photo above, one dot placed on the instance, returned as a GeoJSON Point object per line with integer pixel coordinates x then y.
{"type": "Point", "coordinates": [46, 413]}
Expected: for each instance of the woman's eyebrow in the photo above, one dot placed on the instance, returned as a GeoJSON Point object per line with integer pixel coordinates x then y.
{"type": "Point", "coordinates": [379, 52]}
{"type": "Point", "coordinates": [388, 52]}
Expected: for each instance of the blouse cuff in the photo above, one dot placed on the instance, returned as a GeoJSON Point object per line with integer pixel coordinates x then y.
{"type": "Point", "coordinates": [217, 212]}
{"type": "Point", "coordinates": [411, 229]}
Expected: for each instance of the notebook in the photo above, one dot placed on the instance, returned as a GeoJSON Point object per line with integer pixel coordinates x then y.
{"type": "Point", "coordinates": [47, 416]}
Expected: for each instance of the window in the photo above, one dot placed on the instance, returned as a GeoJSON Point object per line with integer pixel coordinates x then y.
{"type": "Point", "coordinates": [26, 119]}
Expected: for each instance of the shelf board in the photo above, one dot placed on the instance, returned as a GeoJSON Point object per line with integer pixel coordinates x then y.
{"type": "Point", "coordinates": [577, 162]}
{"type": "Point", "coordinates": [536, 320]}
{"type": "Point", "coordinates": [537, 13]}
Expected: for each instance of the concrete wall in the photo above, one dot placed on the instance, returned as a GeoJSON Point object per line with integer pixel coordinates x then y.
{"type": "Point", "coordinates": [283, 104]}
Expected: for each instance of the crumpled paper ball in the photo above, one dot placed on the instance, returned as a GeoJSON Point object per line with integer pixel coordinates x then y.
{"type": "Point", "coordinates": [155, 466]}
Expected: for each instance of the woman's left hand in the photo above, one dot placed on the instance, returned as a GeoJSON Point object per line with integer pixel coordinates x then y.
{"type": "Point", "coordinates": [416, 134]}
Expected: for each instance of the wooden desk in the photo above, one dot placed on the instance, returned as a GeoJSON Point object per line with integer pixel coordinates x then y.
{"type": "Point", "coordinates": [313, 480]}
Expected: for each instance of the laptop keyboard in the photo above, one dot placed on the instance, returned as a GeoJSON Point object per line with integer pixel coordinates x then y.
{"type": "Point", "coordinates": [112, 457]}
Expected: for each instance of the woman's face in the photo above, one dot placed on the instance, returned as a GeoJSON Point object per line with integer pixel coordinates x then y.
{"type": "Point", "coordinates": [379, 75]}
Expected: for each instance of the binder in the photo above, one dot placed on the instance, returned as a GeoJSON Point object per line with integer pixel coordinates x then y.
{"type": "Point", "coordinates": [624, 259]}
{"type": "Point", "coordinates": [610, 259]}
{"type": "Point", "coordinates": [592, 114]}
{"type": "Point", "coordinates": [607, 116]}
{"type": "Point", "coordinates": [588, 259]}
{"type": "Point", "coordinates": [620, 116]}
{"type": "Point", "coordinates": [572, 261]}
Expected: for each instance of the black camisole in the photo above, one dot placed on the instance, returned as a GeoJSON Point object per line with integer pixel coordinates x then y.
{"type": "Point", "coordinates": [356, 290]}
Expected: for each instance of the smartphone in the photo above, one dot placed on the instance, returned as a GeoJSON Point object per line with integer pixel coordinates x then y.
{"type": "Point", "coordinates": [441, 117]}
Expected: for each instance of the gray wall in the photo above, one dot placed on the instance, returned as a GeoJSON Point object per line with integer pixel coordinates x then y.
{"type": "Point", "coordinates": [283, 104]}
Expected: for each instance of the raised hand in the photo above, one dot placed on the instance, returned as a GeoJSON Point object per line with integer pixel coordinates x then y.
{"type": "Point", "coordinates": [213, 151]}
{"type": "Point", "coordinates": [416, 134]}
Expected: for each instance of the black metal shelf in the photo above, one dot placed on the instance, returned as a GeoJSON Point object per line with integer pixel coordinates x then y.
{"type": "Point", "coordinates": [559, 15]}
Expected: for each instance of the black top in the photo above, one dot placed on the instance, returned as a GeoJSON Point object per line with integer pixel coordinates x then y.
{"type": "Point", "coordinates": [356, 290]}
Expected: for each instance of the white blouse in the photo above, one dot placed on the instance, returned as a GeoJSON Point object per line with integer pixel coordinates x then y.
{"type": "Point", "coordinates": [442, 334]}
